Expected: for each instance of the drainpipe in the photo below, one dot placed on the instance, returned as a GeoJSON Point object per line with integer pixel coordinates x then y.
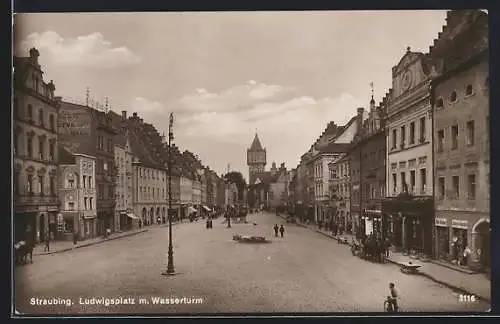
{"type": "Point", "coordinates": [433, 181]}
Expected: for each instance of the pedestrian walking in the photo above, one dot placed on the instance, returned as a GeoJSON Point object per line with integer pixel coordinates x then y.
{"type": "Point", "coordinates": [276, 228]}
{"type": "Point", "coordinates": [47, 241]}
{"type": "Point", "coordinates": [75, 238]}
{"type": "Point", "coordinates": [140, 223]}
{"type": "Point", "coordinates": [282, 230]}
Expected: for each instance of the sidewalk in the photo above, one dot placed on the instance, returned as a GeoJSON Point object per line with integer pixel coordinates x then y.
{"type": "Point", "coordinates": [469, 283]}
{"type": "Point", "coordinates": [62, 246]}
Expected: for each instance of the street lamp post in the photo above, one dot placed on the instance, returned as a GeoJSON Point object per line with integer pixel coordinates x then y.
{"type": "Point", "coordinates": [170, 265]}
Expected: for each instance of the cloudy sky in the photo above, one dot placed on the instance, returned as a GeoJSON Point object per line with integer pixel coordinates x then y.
{"type": "Point", "coordinates": [226, 75]}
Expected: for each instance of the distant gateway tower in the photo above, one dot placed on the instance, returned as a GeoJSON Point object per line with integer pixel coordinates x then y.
{"type": "Point", "coordinates": [256, 159]}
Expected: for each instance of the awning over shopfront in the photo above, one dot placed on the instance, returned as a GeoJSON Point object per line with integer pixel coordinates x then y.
{"type": "Point", "coordinates": [130, 215]}
{"type": "Point", "coordinates": [192, 209]}
{"type": "Point", "coordinates": [206, 208]}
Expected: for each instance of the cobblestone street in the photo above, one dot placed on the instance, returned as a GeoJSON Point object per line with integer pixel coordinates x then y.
{"type": "Point", "coordinates": [302, 272]}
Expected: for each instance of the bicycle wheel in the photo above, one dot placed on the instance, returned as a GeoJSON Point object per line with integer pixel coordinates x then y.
{"type": "Point", "coordinates": [386, 306]}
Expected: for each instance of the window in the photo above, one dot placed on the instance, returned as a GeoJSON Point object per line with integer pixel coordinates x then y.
{"type": "Point", "coordinates": [71, 205]}
{"type": "Point", "coordinates": [454, 137]}
{"type": "Point", "coordinates": [90, 203]}
{"type": "Point", "coordinates": [403, 181]}
{"type": "Point", "coordinates": [440, 103]}
{"type": "Point", "coordinates": [84, 203]}
{"type": "Point", "coordinates": [110, 145]}
{"type": "Point", "coordinates": [455, 182]}
{"type": "Point", "coordinates": [100, 142]}
{"type": "Point", "coordinates": [90, 181]}
{"type": "Point", "coordinates": [84, 181]}
{"type": "Point", "coordinates": [470, 133]}
{"type": "Point", "coordinates": [30, 113]}
{"type": "Point", "coordinates": [29, 184]}
{"type": "Point", "coordinates": [412, 181]}
{"type": "Point", "coordinates": [441, 187]}
{"type": "Point", "coordinates": [71, 183]}
{"type": "Point", "coordinates": [41, 148]}
{"type": "Point", "coordinates": [422, 129]}
{"type": "Point", "coordinates": [110, 167]}
{"type": "Point", "coordinates": [40, 185]}
{"type": "Point", "coordinates": [394, 138]}
{"type": "Point", "coordinates": [403, 136]}
{"type": "Point", "coordinates": [412, 133]}
{"type": "Point", "coordinates": [52, 150]}
{"type": "Point", "coordinates": [423, 181]}
{"type": "Point", "coordinates": [41, 117]}
{"type": "Point", "coordinates": [468, 90]}
{"type": "Point", "coordinates": [453, 96]}
{"type": "Point", "coordinates": [104, 166]}
{"type": "Point", "coordinates": [52, 123]}
{"type": "Point", "coordinates": [53, 186]}
{"type": "Point", "coordinates": [440, 140]}
{"type": "Point", "coordinates": [29, 146]}
{"type": "Point", "coordinates": [471, 184]}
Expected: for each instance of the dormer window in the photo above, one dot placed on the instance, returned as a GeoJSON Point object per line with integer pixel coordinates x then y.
{"type": "Point", "coordinates": [468, 90]}
{"type": "Point", "coordinates": [453, 96]}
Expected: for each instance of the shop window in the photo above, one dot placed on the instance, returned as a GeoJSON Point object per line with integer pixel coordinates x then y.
{"type": "Point", "coordinates": [455, 183]}
{"type": "Point", "coordinates": [441, 188]}
{"type": "Point", "coordinates": [471, 184]}
{"type": "Point", "coordinates": [468, 90]}
{"type": "Point", "coordinates": [412, 133]}
{"type": "Point", "coordinates": [470, 133]}
{"type": "Point", "coordinates": [453, 96]}
{"type": "Point", "coordinates": [68, 226]}
{"type": "Point", "coordinates": [454, 137]}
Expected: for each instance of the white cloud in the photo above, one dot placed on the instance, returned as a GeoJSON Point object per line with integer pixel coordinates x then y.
{"type": "Point", "coordinates": [145, 106]}
{"type": "Point", "coordinates": [83, 51]}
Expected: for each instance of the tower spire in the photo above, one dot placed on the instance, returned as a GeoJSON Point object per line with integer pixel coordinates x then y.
{"type": "Point", "coordinates": [87, 96]}
{"type": "Point", "coordinates": [371, 86]}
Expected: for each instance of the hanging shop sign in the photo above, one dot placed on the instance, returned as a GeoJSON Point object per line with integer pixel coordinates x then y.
{"type": "Point", "coordinates": [443, 222]}
{"type": "Point", "coordinates": [456, 223]}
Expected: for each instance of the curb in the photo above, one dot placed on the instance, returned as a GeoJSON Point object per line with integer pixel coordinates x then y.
{"type": "Point", "coordinates": [90, 243]}
{"type": "Point", "coordinates": [446, 284]}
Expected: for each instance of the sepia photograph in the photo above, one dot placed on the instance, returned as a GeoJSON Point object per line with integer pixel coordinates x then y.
{"type": "Point", "coordinates": [250, 162]}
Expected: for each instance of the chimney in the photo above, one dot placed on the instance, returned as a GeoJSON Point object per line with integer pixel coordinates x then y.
{"type": "Point", "coordinates": [141, 120]}
{"type": "Point", "coordinates": [124, 114]}
{"type": "Point", "coordinates": [359, 120]}
{"type": "Point", "coordinates": [134, 115]}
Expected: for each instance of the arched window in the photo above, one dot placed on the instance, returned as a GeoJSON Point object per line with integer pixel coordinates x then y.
{"type": "Point", "coordinates": [440, 103]}
{"type": "Point", "coordinates": [453, 96]}
{"type": "Point", "coordinates": [41, 148]}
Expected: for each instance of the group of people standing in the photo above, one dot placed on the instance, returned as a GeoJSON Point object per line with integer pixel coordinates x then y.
{"type": "Point", "coordinates": [281, 229]}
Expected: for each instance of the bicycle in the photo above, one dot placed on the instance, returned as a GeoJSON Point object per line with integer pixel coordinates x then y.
{"type": "Point", "coordinates": [391, 309]}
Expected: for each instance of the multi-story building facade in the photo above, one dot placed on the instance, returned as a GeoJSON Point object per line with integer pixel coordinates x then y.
{"type": "Point", "coordinates": [203, 187]}
{"type": "Point", "coordinates": [186, 194]}
{"type": "Point", "coordinates": [231, 194]}
{"type": "Point", "coordinates": [35, 140]}
{"type": "Point", "coordinates": [196, 192]}
{"type": "Point", "coordinates": [125, 218]}
{"type": "Point", "coordinates": [77, 192]}
{"type": "Point", "coordinates": [369, 145]}
{"type": "Point", "coordinates": [85, 130]}
{"type": "Point", "coordinates": [339, 185]}
{"type": "Point", "coordinates": [150, 199]}
{"type": "Point", "coordinates": [409, 202]}
{"type": "Point", "coordinates": [462, 142]}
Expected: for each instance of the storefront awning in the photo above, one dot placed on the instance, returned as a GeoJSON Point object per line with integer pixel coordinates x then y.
{"type": "Point", "coordinates": [192, 209]}
{"type": "Point", "coordinates": [206, 208]}
{"type": "Point", "coordinates": [130, 215]}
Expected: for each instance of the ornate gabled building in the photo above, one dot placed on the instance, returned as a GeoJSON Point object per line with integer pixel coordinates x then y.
{"type": "Point", "coordinates": [409, 202]}
{"type": "Point", "coordinates": [461, 108]}
{"type": "Point", "coordinates": [35, 153]}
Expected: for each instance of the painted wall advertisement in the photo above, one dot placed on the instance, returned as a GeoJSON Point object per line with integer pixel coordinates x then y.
{"type": "Point", "coordinates": [74, 123]}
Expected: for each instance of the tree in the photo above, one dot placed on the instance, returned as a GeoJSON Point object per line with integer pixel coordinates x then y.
{"type": "Point", "coordinates": [237, 178]}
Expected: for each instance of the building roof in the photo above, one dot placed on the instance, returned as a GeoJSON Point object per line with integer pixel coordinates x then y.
{"type": "Point", "coordinates": [64, 156]}
{"type": "Point", "coordinates": [256, 146]}
{"type": "Point", "coordinates": [335, 148]}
